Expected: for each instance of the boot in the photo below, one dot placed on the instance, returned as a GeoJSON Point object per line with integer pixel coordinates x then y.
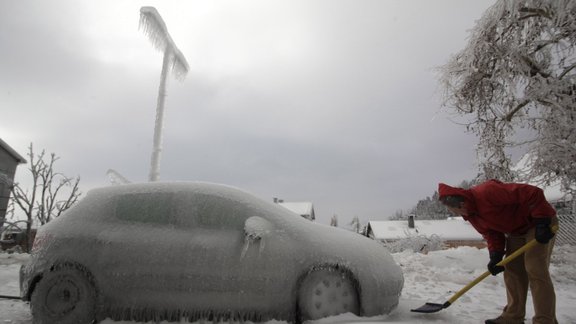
{"type": "Point", "coordinates": [502, 320]}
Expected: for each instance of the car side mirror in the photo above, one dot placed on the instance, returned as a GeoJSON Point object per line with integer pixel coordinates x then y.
{"type": "Point", "coordinates": [257, 228]}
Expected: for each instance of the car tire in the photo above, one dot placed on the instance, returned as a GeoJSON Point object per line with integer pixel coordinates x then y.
{"type": "Point", "coordinates": [64, 296]}
{"type": "Point", "coordinates": [327, 292]}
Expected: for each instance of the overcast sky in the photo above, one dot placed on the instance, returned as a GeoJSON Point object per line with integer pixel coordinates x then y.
{"type": "Point", "coordinates": [333, 102]}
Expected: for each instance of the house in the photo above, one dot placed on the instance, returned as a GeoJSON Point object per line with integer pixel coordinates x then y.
{"type": "Point", "coordinates": [304, 209]}
{"type": "Point", "coordinates": [15, 239]}
{"type": "Point", "coordinates": [9, 160]}
{"type": "Point", "coordinates": [454, 231]}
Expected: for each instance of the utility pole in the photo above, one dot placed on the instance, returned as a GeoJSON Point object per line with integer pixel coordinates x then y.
{"type": "Point", "coordinates": [155, 28]}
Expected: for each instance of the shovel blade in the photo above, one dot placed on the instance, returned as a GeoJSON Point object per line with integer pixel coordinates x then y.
{"type": "Point", "coordinates": [431, 308]}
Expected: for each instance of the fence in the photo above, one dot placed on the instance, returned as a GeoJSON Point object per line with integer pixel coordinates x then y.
{"type": "Point", "coordinates": [567, 232]}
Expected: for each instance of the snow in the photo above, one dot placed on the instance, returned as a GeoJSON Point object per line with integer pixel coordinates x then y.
{"type": "Point", "coordinates": [300, 208]}
{"type": "Point", "coordinates": [433, 277]}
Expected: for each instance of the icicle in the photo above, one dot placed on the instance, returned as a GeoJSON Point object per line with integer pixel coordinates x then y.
{"type": "Point", "coordinates": [153, 26]}
{"type": "Point", "coordinates": [179, 64]}
{"type": "Point", "coordinates": [261, 247]}
{"type": "Point", "coordinates": [245, 248]}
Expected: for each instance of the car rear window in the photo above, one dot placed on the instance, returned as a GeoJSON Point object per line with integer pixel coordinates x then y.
{"type": "Point", "coordinates": [155, 208]}
{"type": "Point", "coordinates": [211, 212]}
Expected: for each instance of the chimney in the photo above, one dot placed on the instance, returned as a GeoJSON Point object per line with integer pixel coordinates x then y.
{"type": "Point", "coordinates": [411, 221]}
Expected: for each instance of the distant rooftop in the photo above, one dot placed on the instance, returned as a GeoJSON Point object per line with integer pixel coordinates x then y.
{"type": "Point", "coordinates": [304, 209]}
{"type": "Point", "coordinates": [454, 228]}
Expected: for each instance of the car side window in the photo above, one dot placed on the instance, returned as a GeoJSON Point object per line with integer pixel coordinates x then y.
{"type": "Point", "coordinates": [211, 212]}
{"type": "Point", "coordinates": [154, 208]}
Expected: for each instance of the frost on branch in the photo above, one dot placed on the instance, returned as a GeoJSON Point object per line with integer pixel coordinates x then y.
{"type": "Point", "coordinates": [514, 85]}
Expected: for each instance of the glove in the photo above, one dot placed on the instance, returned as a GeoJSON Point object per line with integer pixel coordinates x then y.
{"type": "Point", "coordinates": [495, 257]}
{"type": "Point", "coordinates": [542, 231]}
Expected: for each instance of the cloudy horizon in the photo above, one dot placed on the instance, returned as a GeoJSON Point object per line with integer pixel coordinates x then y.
{"type": "Point", "coordinates": [332, 102]}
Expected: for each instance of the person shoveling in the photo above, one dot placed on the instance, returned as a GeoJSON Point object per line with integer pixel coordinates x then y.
{"type": "Point", "coordinates": [517, 221]}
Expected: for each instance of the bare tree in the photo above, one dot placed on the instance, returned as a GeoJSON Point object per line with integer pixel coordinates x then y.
{"type": "Point", "coordinates": [518, 75]}
{"type": "Point", "coordinates": [50, 194]}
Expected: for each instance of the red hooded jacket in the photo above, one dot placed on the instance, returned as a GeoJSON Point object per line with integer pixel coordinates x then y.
{"type": "Point", "coordinates": [496, 208]}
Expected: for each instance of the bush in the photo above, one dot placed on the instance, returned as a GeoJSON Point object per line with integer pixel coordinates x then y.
{"type": "Point", "coordinates": [415, 243]}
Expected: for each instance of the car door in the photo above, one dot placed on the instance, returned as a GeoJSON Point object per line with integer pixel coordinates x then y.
{"type": "Point", "coordinates": [142, 251]}
{"type": "Point", "coordinates": [226, 269]}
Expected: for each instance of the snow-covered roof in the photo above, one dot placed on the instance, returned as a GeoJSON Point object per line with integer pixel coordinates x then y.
{"type": "Point", "coordinates": [300, 208]}
{"type": "Point", "coordinates": [12, 152]}
{"type": "Point", "coordinates": [454, 228]}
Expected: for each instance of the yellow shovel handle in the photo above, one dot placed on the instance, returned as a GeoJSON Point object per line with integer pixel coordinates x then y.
{"type": "Point", "coordinates": [506, 260]}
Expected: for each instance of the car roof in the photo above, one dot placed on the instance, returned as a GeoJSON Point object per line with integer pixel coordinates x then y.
{"type": "Point", "coordinates": [176, 186]}
{"type": "Point", "coordinates": [186, 188]}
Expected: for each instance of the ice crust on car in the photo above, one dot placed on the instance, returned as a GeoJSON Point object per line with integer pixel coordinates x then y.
{"type": "Point", "coordinates": [128, 249]}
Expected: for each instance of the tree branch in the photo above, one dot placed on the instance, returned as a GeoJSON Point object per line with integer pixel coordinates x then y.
{"type": "Point", "coordinates": [511, 114]}
{"type": "Point", "coordinates": [41, 202]}
{"type": "Point", "coordinates": [534, 68]}
{"type": "Point", "coordinates": [568, 69]}
{"type": "Point", "coordinates": [534, 12]}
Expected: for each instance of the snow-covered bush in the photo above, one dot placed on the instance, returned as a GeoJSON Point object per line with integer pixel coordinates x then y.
{"type": "Point", "coordinates": [415, 243]}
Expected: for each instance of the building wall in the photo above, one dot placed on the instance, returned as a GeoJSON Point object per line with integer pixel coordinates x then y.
{"type": "Point", "coordinates": [7, 170]}
{"type": "Point", "coordinates": [476, 244]}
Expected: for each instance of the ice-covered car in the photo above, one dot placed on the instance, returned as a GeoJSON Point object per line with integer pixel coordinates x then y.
{"type": "Point", "coordinates": [173, 251]}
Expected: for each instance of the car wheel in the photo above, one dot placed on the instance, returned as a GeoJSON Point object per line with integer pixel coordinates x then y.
{"type": "Point", "coordinates": [325, 293]}
{"type": "Point", "coordinates": [63, 296]}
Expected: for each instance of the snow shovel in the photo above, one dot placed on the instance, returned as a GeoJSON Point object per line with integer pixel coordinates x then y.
{"type": "Point", "coordinates": [9, 297]}
{"type": "Point", "coordinates": [433, 308]}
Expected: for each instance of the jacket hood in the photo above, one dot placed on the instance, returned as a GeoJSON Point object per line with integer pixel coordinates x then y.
{"type": "Point", "coordinates": [446, 190]}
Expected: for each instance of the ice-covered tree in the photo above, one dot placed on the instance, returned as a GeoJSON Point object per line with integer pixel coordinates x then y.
{"type": "Point", "coordinates": [430, 208]}
{"type": "Point", "coordinates": [398, 215]}
{"type": "Point", "coordinates": [334, 220]}
{"type": "Point", "coordinates": [355, 225]}
{"type": "Point", "coordinates": [514, 84]}
{"type": "Point", "coordinates": [49, 194]}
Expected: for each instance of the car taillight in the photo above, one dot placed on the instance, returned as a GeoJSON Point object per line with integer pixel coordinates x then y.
{"type": "Point", "coordinates": [40, 241]}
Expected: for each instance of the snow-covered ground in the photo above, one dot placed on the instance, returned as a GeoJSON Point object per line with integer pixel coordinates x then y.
{"type": "Point", "coordinates": [434, 277]}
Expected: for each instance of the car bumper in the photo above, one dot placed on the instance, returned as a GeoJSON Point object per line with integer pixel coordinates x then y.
{"type": "Point", "coordinates": [23, 283]}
